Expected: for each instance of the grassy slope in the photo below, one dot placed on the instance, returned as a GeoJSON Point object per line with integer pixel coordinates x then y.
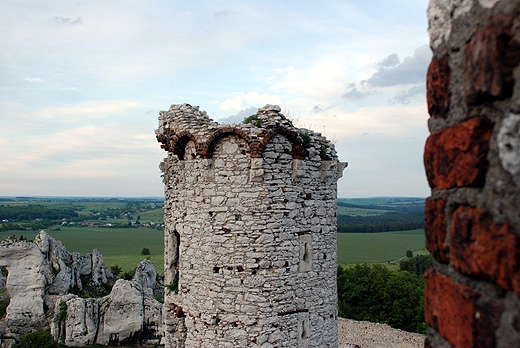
{"type": "Point", "coordinates": [377, 247]}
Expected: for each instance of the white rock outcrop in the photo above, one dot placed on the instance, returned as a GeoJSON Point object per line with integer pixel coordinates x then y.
{"type": "Point", "coordinates": [128, 315]}
{"type": "Point", "coordinates": [25, 284]}
{"type": "Point", "coordinates": [41, 274]}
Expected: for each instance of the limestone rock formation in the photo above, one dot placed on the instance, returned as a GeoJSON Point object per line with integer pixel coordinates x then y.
{"type": "Point", "coordinates": [44, 281]}
{"type": "Point", "coordinates": [25, 284]}
{"type": "Point", "coordinates": [128, 315]}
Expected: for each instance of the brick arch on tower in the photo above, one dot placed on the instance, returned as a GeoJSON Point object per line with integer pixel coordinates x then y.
{"type": "Point", "coordinates": [298, 147]}
{"type": "Point", "coordinates": [179, 141]}
{"type": "Point", "coordinates": [207, 149]}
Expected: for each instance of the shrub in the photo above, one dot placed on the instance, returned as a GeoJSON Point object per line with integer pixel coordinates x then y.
{"type": "Point", "coordinates": [145, 251]}
{"type": "Point", "coordinates": [40, 339]}
{"type": "Point", "coordinates": [128, 275]}
{"type": "Point", "coordinates": [409, 253]}
{"type": "Point", "coordinates": [62, 316]}
{"type": "Point", "coordinates": [116, 270]}
{"type": "Point", "coordinates": [3, 306]}
{"type": "Point", "coordinates": [253, 119]}
{"type": "Point", "coordinates": [306, 138]}
{"type": "Point", "coordinates": [174, 286]}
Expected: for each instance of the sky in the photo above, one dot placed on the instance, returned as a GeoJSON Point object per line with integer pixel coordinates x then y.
{"type": "Point", "coordinates": [82, 84]}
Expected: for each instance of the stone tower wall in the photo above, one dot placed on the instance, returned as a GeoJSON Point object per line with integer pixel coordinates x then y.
{"type": "Point", "coordinates": [472, 161]}
{"type": "Point", "coordinates": [250, 238]}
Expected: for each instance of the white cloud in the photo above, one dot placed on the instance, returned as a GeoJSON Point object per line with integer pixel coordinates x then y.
{"type": "Point", "coordinates": [410, 70]}
{"type": "Point", "coordinates": [33, 79]}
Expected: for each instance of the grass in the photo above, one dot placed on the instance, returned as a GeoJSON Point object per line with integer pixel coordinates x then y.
{"type": "Point", "coordinates": [122, 246]}
{"type": "Point", "coordinates": [119, 246]}
{"type": "Point", "coordinates": [156, 215]}
{"type": "Point", "coordinates": [378, 247]}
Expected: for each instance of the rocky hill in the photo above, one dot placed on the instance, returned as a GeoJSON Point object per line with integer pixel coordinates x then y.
{"type": "Point", "coordinates": [76, 296]}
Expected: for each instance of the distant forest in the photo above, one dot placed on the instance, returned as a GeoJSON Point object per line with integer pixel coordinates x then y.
{"type": "Point", "coordinates": [371, 215]}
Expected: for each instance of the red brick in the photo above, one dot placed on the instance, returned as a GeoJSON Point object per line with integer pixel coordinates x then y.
{"type": "Point", "coordinates": [438, 88]}
{"type": "Point", "coordinates": [491, 56]}
{"type": "Point", "coordinates": [436, 229]}
{"type": "Point", "coordinates": [450, 309]}
{"type": "Point", "coordinates": [480, 248]}
{"type": "Point", "coordinates": [456, 157]}
{"type": "Point", "coordinates": [487, 315]}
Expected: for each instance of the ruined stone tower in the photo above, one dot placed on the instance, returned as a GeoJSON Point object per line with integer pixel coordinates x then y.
{"type": "Point", "coordinates": [250, 236]}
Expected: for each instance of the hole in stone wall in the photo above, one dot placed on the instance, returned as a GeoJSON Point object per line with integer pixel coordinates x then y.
{"type": "Point", "coordinates": [305, 257]}
{"type": "Point", "coordinates": [304, 331]}
{"type": "Point", "coordinates": [216, 269]}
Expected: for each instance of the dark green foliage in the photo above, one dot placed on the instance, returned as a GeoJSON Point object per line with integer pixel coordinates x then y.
{"type": "Point", "coordinates": [62, 315]}
{"type": "Point", "coordinates": [159, 299]}
{"type": "Point", "coordinates": [36, 211]}
{"type": "Point", "coordinates": [374, 293]}
{"type": "Point", "coordinates": [417, 264]}
{"type": "Point", "coordinates": [253, 119]}
{"type": "Point", "coordinates": [306, 138]}
{"type": "Point", "coordinates": [128, 275]}
{"type": "Point", "coordinates": [323, 150]}
{"type": "Point", "coordinates": [91, 289]}
{"type": "Point", "coordinates": [393, 221]}
{"type": "Point", "coordinates": [40, 339]}
{"type": "Point", "coordinates": [116, 270]}
{"type": "Point", "coordinates": [145, 251]}
{"type": "Point", "coordinates": [409, 253]}
{"type": "Point", "coordinates": [3, 306]}
{"type": "Point", "coordinates": [174, 286]}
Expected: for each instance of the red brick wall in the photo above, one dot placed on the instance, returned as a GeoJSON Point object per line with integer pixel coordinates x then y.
{"type": "Point", "coordinates": [472, 162]}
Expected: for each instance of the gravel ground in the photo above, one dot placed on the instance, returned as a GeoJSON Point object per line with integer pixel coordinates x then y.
{"type": "Point", "coordinates": [364, 334]}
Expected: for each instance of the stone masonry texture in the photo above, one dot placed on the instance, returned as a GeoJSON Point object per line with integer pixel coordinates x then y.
{"type": "Point", "coordinates": [250, 236]}
{"type": "Point", "coordinates": [472, 162]}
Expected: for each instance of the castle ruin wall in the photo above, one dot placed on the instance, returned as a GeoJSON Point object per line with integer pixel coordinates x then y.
{"type": "Point", "coordinates": [250, 236]}
{"type": "Point", "coordinates": [472, 161]}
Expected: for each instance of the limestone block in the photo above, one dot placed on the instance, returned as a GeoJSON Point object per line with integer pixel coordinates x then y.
{"type": "Point", "coordinates": [509, 146]}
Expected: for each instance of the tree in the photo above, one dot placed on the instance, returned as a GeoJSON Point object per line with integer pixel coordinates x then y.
{"type": "Point", "coordinates": [409, 253]}
{"type": "Point", "coordinates": [374, 293]}
{"type": "Point", "coordinates": [116, 270]}
{"type": "Point", "coordinates": [145, 251]}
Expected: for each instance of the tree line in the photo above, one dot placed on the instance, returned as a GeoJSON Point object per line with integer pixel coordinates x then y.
{"type": "Point", "coordinates": [393, 221]}
{"type": "Point", "coordinates": [36, 211]}
{"type": "Point", "coordinates": [374, 293]}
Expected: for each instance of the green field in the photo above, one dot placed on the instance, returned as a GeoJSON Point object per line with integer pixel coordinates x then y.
{"type": "Point", "coordinates": [378, 247]}
{"type": "Point", "coordinates": [119, 246]}
{"type": "Point", "coordinates": [122, 246]}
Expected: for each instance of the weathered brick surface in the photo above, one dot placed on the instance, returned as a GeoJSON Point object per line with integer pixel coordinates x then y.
{"type": "Point", "coordinates": [489, 61]}
{"type": "Point", "coordinates": [456, 157]}
{"type": "Point", "coordinates": [481, 248]}
{"type": "Point", "coordinates": [450, 309]}
{"type": "Point", "coordinates": [438, 88]}
{"type": "Point", "coordinates": [436, 229]}
{"type": "Point", "coordinates": [487, 315]}
{"type": "Point", "coordinates": [472, 163]}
